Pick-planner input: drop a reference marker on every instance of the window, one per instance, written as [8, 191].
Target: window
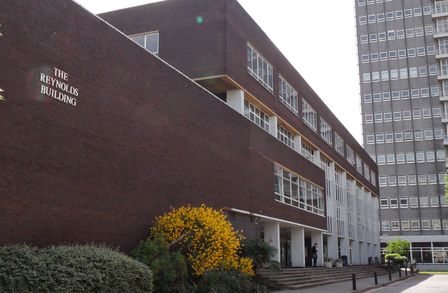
[285, 136]
[434, 91]
[422, 71]
[382, 181]
[385, 226]
[375, 76]
[380, 137]
[434, 201]
[421, 179]
[412, 180]
[288, 96]
[307, 152]
[389, 137]
[372, 38]
[405, 94]
[411, 52]
[428, 134]
[407, 13]
[415, 224]
[420, 156]
[421, 51]
[413, 202]
[394, 75]
[393, 203]
[399, 34]
[381, 160]
[430, 157]
[403, 73]
[440, 154]
[362, 20]
[378, 117]
[387, 116]
[416, 114]
[260, 69]
[392, 180]
[415, 93]
[410, 158]
[370, 138]
[407, 115]
[419, 31]
[431, 50]
[413, 72]
[380, 17]
[432, 69]
[408, 135]
[396, 94]
[386, 96]
[292, 190]
[401, 180]
[390, 159]
[350, 155]
[365, 58]
[432, 179]
[326, 132]
[417, 11]
[400, 158]
[372, 18]
[389, 15]
[427, 10]
[424, 92]
[398, 14]
[409, 33]
[397, 116]
[426, 225]
[403, 202]
[338, 144]
[436, 224]
[377, 97]
[395, 224]
[429, 30]
[255, 115]
[149, 41]
[405, 225]
[309, 115]
[392, 54]
[426, 113]
[367, 98]
[391, 35]
[384, 203]
[364, 39]
[361, 2]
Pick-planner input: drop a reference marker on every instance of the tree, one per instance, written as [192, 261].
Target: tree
[205, 237]
[397, 246]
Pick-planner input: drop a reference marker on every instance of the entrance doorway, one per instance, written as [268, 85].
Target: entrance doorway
[285, 248]
[308, 254]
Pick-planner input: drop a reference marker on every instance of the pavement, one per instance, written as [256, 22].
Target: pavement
[418, 284]
[362, 285]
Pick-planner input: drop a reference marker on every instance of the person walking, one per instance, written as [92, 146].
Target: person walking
[314, 254]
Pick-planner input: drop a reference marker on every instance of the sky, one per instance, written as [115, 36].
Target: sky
[317, 37]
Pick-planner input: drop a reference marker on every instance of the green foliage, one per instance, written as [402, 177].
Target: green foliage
[71, 269]
[396, 258]
[169, 268]
[224, 281]
[259, 251]
[397, 246]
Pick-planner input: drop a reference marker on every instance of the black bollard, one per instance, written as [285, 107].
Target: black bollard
[399, 272]
[376, 278]
[354, 281]
[390, 275]
[412, 270]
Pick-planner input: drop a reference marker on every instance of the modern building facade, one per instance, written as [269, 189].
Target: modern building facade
[229, 55]
[401, 46]
[100, 136]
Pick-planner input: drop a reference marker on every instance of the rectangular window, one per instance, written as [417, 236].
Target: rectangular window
[380, 17]
[415, 224]
[429, 30]
[434, 201]
[397, 116]
[417, 11]
[398, 14]
[309, 115]
[389, 137]
[288, 96]
[370, 138]
[285, 136]
[400, 158]
[292, 190]
[430, 157]
[386, 96]
[436, 224]
[307, 152]
[365, 58]
[390, 159]
[412, 180]
[419, 31]
[408, 136]
[391, 35]
[399, 34]
[382, 181]
[362, 20]
[416, 114]
[426, 224]
[395, 224]
[385, 226]
[392, 54]
[411, 52]
[420, 156]
[372, 18]
[326, 132]
[350, 155]
[389, 15]
[384, 203]
[339, 144]
[387, 116]
[372, 38]
[392, 181]
[254, 114]
[413, 72]
[421, 179]
[367, 98]
[403, 73]
[428, 134]
[364, 39]
[260, 69]
[427, 10]
[409, 33]
[405, 225]
[408, 13]
[378, 117]
[380, 137]
[402, 180]
[381, 160]
[407, 115]
[377, 97]
[149, 41]
[415, 93]
[413, 202]
[403, 202]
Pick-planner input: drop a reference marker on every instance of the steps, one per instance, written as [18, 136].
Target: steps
[299, 278]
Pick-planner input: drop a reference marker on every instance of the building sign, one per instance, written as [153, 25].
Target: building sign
[56, 85]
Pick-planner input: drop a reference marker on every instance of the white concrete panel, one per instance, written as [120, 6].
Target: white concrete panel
[298, 247]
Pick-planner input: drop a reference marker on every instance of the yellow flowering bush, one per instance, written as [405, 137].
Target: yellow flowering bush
[205, 237]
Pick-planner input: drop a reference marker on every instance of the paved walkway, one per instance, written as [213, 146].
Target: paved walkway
[346, 286]
[419, 284]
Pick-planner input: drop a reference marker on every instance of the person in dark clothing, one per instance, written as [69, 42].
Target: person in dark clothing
[314, 254]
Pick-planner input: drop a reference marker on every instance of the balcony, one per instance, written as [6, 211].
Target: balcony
[442, 75]
[443, 98]
[440, 9]
[445, 140]
[444, 117]
[440, 54]
[441, 33]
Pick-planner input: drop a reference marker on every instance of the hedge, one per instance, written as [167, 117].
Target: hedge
[71, 269]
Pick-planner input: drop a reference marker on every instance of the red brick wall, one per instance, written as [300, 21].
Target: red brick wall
[141, 139]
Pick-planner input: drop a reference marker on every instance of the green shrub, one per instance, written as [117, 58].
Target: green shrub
[397, 246]
[169, 268]
[71, 269]
[259, 251]
[224, 281]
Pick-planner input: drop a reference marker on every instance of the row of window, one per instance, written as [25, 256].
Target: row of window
[371, 2]
[414, 225]
[409, 158]
[401, 73]
[413, 202]
[406, 94]
[408, 136]
[398, 54]
[394, 15]
[259, 68]
[415, 114]
[411, 180]
[391, 35]
[295, 191]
